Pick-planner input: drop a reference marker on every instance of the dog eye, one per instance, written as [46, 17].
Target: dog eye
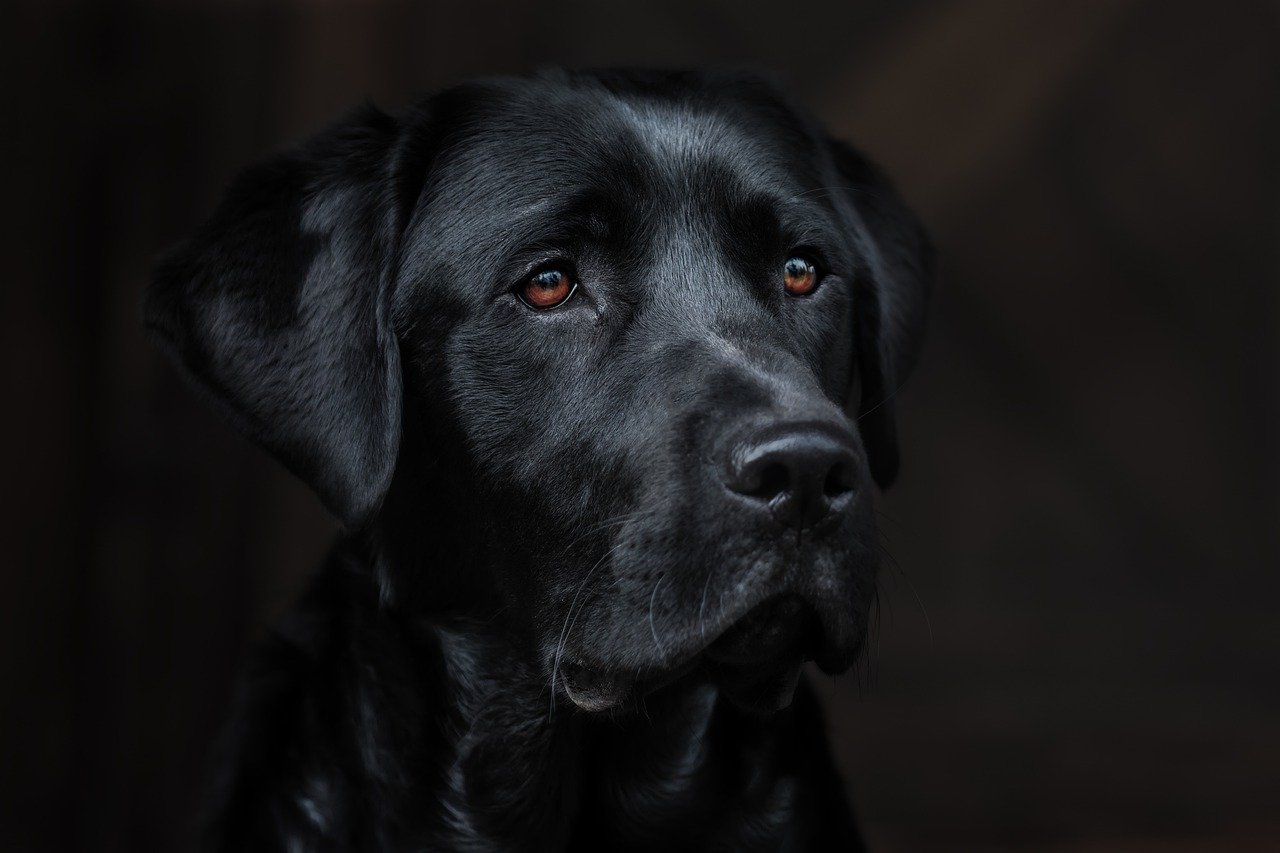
[799, 276]
[547, 289]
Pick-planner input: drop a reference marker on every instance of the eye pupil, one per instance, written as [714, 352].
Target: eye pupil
[547, 289]
[799, 276]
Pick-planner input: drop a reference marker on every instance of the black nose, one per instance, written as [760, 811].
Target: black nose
[801, 474]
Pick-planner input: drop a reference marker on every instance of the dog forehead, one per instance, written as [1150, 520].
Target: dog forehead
[527, 149]
[685, 139]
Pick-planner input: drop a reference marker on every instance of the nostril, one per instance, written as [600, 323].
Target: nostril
[774, 478]
[839, 480]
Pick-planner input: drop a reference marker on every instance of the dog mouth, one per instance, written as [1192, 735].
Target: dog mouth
[780, 627]
[756, 662]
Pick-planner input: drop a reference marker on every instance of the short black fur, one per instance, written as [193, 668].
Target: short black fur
[587, 549]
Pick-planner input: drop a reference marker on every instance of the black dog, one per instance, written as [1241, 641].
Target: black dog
[597, 370]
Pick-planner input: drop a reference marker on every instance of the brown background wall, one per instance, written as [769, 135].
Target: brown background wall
[1091, 495]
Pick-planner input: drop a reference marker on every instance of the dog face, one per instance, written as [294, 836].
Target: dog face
[639, 331]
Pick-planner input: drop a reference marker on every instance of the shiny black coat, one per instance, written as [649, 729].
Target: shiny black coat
[589, 546]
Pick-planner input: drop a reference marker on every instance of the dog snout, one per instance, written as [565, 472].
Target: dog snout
[800, 473]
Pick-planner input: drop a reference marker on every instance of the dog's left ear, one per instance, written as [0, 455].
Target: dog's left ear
[279, 309]
[889, 306]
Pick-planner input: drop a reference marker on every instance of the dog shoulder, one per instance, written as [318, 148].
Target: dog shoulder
[314, 734]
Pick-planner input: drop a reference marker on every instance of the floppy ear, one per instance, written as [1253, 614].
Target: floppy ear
[279, 309]
[890, 301]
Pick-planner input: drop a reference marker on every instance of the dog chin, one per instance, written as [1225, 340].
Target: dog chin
[756, 663]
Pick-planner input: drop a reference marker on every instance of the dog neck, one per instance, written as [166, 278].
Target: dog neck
[446, 730]
[521, 767]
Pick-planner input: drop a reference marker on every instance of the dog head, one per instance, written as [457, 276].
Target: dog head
[627, 342]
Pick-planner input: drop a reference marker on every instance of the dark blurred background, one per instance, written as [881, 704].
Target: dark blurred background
[1080, 649]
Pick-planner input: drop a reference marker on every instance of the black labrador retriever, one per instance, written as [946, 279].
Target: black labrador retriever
[597, 370]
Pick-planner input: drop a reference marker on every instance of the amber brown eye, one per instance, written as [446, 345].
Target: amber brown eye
[799, 276]
[547, 289]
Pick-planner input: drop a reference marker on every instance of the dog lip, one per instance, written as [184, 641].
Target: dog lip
[595, 690]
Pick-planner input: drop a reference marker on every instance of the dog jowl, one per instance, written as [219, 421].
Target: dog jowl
[597, 371]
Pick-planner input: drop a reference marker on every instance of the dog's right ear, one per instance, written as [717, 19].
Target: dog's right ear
[889, 304]
[279, 308]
